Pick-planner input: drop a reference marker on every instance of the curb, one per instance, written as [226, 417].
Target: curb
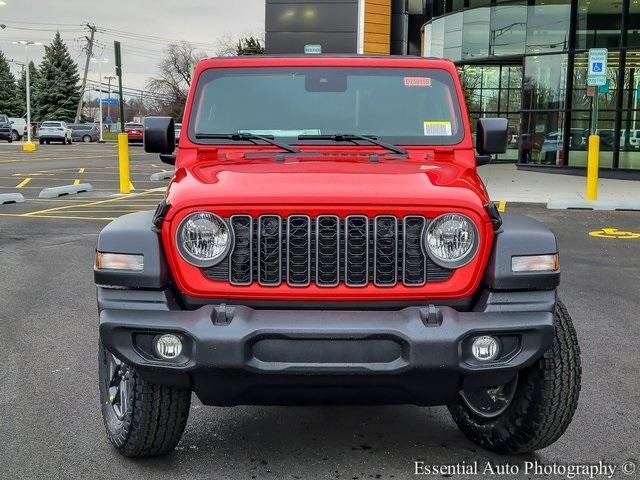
[164, 175]
[579, 204]
[6, 198]
[55, 192]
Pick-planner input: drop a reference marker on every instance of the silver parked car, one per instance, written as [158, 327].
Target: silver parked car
[85, 132]
[54, 132]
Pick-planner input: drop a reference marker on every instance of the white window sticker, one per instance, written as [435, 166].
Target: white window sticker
[437, 129]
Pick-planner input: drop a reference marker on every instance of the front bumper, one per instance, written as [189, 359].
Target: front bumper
[239, 355]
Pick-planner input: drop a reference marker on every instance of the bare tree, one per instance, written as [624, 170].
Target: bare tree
[172, 85]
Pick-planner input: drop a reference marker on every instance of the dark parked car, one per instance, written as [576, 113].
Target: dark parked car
[85, 132]
[5, 129]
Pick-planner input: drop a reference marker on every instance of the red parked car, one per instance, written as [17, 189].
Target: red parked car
[135, 132]
[326, 239]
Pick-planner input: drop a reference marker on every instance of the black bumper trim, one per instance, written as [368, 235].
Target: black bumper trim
[280, 356]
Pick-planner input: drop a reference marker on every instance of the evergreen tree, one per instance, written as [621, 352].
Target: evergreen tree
[57, 85]
[9, 100]
[22, 88]
[249, 46]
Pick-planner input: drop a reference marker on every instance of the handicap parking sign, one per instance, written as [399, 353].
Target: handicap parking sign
[597, 67]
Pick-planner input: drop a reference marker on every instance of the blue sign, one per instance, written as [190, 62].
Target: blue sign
[108, 120]
[109, 101]
[597, 67]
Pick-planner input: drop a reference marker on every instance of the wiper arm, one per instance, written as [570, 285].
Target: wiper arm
[352, 137]
[247, 136]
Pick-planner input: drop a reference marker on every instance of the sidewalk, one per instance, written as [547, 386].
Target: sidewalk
[506, 182]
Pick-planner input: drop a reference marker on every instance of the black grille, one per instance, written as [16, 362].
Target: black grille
[327, 250]
[356, 255]
[385, 260]
[269, 249]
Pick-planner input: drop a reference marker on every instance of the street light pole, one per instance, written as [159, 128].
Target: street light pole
[109, 78]
[29, 146]
[100, 62]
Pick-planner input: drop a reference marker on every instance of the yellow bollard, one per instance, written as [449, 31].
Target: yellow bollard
[593, 157]
[123, 162]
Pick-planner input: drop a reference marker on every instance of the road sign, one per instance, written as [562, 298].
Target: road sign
[596, 80]
[604, 88]
[312, 49]
[109, 101]
[597, 70]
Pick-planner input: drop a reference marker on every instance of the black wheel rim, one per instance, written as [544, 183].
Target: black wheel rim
[490, 402]
[117, 383]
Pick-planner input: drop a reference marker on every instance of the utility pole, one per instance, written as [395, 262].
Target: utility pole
[109, 78]
[89, 49]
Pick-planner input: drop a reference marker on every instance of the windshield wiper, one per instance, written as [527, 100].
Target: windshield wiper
[249, 137]
[352, 137]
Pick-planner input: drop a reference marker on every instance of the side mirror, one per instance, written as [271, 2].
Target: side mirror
[491, 138]
[159, 135]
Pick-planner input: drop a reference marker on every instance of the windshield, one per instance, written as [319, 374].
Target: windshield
[400, 106]
[51, 124]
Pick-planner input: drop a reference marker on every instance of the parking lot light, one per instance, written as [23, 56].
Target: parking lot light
[100, 61]
[29, 146]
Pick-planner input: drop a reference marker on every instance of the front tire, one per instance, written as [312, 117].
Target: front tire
[542, 406]
[142, 419]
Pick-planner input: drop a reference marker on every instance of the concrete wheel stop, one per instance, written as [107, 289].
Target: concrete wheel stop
[582, 204]
[55, 192]
[6, 198]
[164, 175]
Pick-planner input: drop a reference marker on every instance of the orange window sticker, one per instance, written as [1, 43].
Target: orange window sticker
[417, 82]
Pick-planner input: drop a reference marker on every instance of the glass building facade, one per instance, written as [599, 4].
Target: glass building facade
[527, 61]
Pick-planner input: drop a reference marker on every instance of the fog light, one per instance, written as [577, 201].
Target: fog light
[168, 346]
[485, 348]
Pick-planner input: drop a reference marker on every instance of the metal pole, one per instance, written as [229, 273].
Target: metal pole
[100, 99]
[92, 29]
[28, 80]
[593, 155]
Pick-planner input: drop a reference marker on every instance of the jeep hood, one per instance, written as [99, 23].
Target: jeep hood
[387, 182]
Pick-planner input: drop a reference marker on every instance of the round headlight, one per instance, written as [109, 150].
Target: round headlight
[451, 240]
[204, 239]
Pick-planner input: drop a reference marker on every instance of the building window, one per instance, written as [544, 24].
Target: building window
[548, 26]
[545, 81]
[508, 30]
[453, 36]
[598, 24]
[475, 36]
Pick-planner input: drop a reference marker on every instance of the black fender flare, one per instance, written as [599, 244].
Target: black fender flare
[520, 235]
[134, 233]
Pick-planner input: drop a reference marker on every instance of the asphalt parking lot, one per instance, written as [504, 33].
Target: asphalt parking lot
[50, 424]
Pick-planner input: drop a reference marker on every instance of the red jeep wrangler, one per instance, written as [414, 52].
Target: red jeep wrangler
[326, 239]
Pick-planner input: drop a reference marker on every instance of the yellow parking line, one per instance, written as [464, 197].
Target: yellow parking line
[81, 170]
[89, 204]
[76, 181]
[502, 206]
[131, 187]
[23, 183]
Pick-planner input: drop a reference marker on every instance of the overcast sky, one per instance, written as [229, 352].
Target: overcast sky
[147, 26]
